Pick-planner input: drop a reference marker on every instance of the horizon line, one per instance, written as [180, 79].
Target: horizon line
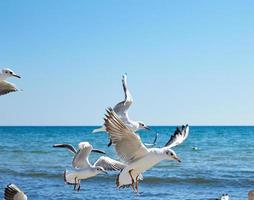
[228, 125]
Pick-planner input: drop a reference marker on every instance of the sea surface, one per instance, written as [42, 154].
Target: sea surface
[223, 162]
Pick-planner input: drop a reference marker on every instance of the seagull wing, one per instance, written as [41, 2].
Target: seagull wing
[109, 164]
[150, 145]
[128, 145]
[68, 146]
[6, 87]
[178, 137]
[12, 192]
[121, 109]
[80, 160]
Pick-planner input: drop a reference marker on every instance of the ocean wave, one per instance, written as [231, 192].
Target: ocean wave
[39, 174]
[147, 179]
[20, 151]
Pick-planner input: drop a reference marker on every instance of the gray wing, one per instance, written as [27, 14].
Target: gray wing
[121, 109]
[150, 145]
[109, 164]
[80, 160]
[178, 137]
[128, 145]
[12, 192]
[67, 146]
[6, 87]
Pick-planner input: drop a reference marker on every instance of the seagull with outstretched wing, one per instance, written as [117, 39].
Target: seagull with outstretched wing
[129, 147]
[122, 108]
[82, 168]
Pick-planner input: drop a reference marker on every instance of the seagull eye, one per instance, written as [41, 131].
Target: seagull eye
[171, 154]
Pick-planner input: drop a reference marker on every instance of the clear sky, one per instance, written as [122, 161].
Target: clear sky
[187, 61]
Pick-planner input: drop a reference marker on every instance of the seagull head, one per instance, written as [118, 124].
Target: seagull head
[224, 197]
[171, 155]
[142, 126]
[100, 170]
[9, 73]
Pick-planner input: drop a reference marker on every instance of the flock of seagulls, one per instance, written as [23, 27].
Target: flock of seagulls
[135, 157]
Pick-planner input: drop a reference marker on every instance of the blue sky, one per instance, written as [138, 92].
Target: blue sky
[187, 61]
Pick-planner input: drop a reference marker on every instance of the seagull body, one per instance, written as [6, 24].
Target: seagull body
[137, 167]
[224, 197]
[82, 168]
[122, 108]
[12, 192]
[6, 87]
[137, 157]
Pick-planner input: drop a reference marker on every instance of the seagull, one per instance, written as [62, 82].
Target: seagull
[121, 109]
[12, 192]
[6, 87]
[133, 152]
[224, 197]
[82, 168]
[150, 145]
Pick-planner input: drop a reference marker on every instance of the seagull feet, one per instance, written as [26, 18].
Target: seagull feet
[136, 184]
[76, 185]
[132, 180]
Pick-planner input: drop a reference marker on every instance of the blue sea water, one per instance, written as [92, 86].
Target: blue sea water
[224, 163]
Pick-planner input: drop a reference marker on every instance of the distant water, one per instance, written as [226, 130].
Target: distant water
[224, 163]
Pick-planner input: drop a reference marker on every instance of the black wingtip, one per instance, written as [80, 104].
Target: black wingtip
[110, 143]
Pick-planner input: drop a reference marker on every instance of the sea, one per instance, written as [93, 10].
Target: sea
[215, 160]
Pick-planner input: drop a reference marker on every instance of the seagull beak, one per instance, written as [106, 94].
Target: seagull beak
[147, 128]
[17, 76]
[98, 151]
[177, 159]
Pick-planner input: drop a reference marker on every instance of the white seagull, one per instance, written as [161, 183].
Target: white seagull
[224, 197]
[6, 87]
[83, 169]
[136, 156]
[121, 109]
[12, 192]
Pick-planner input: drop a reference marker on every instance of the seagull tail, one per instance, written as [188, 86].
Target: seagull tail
[69, 177]
[101, 129]
[123, 179]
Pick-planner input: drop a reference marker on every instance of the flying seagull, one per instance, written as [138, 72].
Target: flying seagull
[136, 156]
[6, 87]
[12, 192]
[150, 145]
[122, 108]
[82, 168]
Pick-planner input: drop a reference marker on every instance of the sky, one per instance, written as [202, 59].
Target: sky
[187, 61]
